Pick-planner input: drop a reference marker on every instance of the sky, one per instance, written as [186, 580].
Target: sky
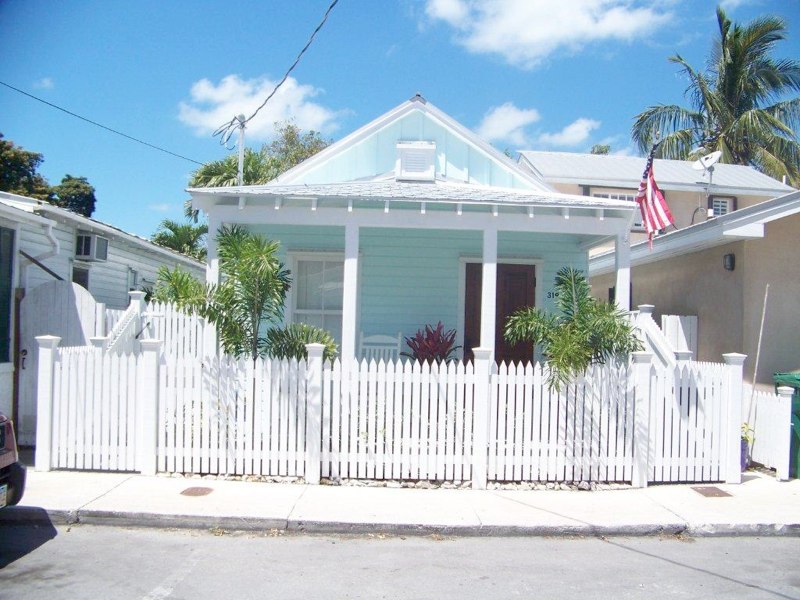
[524, 74]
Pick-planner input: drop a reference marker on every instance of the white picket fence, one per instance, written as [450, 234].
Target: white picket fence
[232, 416]
[771, 421]
[399, 420]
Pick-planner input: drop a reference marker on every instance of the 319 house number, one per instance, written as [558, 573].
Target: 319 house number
[551, 295]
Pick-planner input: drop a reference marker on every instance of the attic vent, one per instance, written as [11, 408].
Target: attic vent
[415, 161]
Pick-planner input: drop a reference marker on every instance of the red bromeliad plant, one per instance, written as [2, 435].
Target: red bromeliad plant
[432, 345]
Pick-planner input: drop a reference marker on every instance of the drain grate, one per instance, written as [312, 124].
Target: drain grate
[710, 491]
[196, 491]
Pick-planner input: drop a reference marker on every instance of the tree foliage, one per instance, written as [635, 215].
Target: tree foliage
[185, 238]
[19, 172]
[601, 149]
[19, 175]
[75, 194]
[585, 332]
[289, 148]
[247, 305]
[739, 104]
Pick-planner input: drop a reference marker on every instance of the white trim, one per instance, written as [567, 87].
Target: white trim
[578, 224]
[538, 298]
[295, 256]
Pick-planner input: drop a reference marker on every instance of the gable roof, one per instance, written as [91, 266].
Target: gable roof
[519, 176]
[626, 172]
[51, 214]
[745, 223]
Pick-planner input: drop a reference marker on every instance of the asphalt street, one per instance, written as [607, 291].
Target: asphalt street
[83, 561]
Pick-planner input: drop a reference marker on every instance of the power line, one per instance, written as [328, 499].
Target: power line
[125, 135]
[227, 129]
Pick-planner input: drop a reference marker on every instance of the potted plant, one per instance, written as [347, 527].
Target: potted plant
[747, 440]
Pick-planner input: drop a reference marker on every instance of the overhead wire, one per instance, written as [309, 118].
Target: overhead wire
[112, 130]
[227, 129]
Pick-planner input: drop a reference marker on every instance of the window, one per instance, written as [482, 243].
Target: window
[628, 197]
[89, 246]
[80, 275]
[318, 290]
[6, 291]
[721, 205]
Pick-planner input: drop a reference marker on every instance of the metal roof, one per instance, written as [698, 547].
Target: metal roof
[56, 213]
[626, 172]
[438, 191]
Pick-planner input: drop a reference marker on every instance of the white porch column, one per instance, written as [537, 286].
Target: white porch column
[212, 277]
[622, 264]
[489, 289]
[212, 258]
[350, 284]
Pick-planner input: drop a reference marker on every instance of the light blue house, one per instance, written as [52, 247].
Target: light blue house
[413, 219]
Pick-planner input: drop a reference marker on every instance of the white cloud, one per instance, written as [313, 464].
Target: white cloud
[454, 12]
[733, 4]
[507, 123]
[161, 208]
[525, 32]
[45, 83]
[211, 105]
[573, 134]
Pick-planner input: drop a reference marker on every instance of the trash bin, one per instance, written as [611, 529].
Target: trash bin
[792, 379]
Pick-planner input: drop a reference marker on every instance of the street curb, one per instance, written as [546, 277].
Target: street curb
[30, 515]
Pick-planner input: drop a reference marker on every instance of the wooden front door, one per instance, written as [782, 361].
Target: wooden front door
[516, 286]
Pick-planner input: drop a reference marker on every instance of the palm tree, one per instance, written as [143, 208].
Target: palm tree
[738, 105]
[182, 237]
[586, 332]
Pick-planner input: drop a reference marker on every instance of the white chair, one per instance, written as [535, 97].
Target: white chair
[379, 347]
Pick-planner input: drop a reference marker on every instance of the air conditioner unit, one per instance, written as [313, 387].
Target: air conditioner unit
[416, 161]
[90, 246]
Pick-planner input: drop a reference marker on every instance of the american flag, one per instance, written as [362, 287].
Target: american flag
[655, 211]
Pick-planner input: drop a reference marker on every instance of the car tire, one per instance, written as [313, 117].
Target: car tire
[16, 481]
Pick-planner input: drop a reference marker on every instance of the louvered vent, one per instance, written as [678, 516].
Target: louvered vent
[416, 161]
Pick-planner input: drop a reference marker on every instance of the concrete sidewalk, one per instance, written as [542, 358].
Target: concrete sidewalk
[759, 506]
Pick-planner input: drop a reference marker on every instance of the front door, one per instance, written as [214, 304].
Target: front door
[516, 286]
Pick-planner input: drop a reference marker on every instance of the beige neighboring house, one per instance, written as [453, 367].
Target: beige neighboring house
[617, 177]
[715, 267]
[41, 244]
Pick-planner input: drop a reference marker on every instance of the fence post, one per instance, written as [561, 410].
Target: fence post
[48, 346]
[785, 435]
[641, 419]
[480, 432]
[683, 356]
[314, 412]
[147, 402]
[100, 342]
[732, 387]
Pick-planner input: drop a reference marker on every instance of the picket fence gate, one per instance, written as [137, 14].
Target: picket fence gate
[477, 422]
[771, 423]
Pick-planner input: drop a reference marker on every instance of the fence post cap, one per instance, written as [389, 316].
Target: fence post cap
[642, 357]
[734, 358]
[315, 350]
[785, 390]
[683, 354]
[48, 341]
[150, 344]
[137, 295]
[482, 353]
[99, 341]
[646, 308]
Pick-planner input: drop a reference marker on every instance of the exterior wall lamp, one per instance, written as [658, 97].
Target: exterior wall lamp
[729, 262]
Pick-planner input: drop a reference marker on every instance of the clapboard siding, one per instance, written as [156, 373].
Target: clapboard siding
[108, 281]
[409, 278]
[376, 154]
